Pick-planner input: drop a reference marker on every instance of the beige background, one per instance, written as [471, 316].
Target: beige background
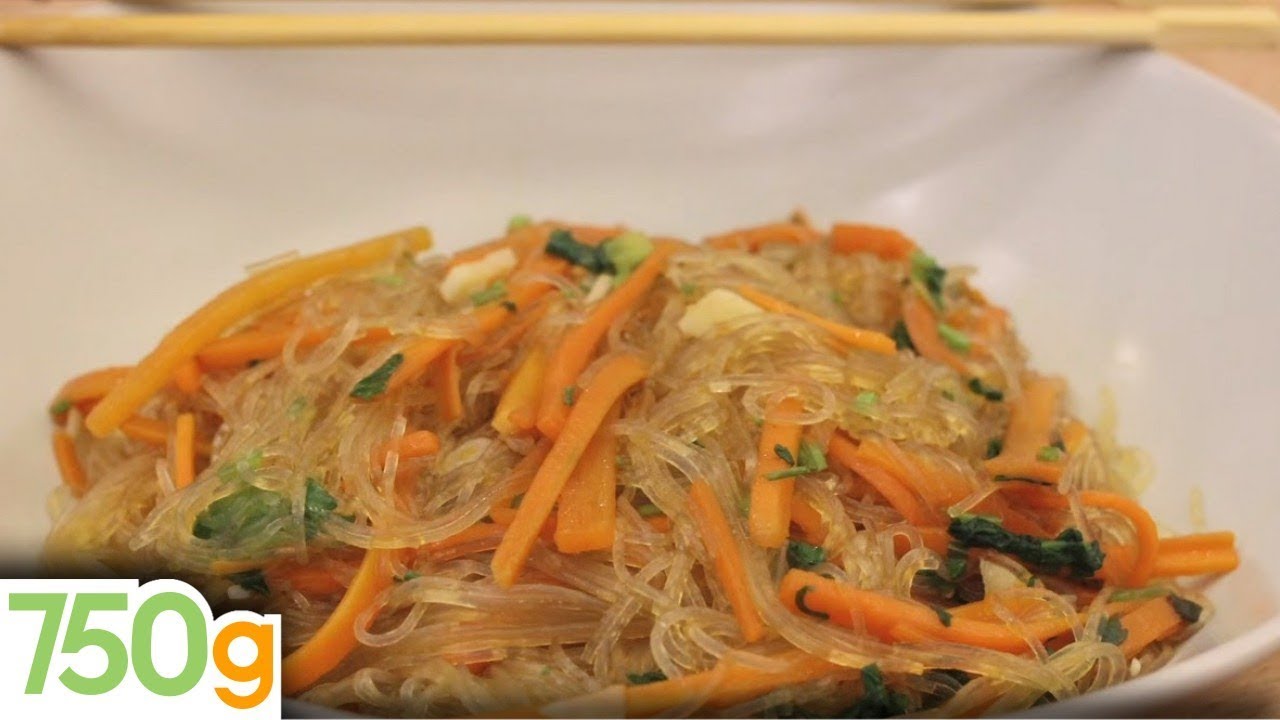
[1254, 694]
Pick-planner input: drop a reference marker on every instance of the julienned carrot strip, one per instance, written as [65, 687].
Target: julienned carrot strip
[1031, 420]
[92, 385]
[1222, 539]
[69, 467]
[481, 537]
[579, 345]
[336, 638]
[614, 379]
[1150, 622]
[311, 579]
[1074, 435]
[187, 377]
[416, 444]
[1177, 562]
[659, 523]
[231, 306]
[182, 463]
[753, 238]
[730, 570]
[419, 355]
[236, 351]
[448, 385]
[893, 619]
[853, 336]
[922, 326]
[769, 519]
[849, 238]
[587, 514]
[843, 451]
[519, 401]
[1021, 606]
[1147, 534]
[809, 520]
[725, 685]
[156, 432]
[503, 510]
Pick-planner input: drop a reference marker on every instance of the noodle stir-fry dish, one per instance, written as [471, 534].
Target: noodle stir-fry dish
[783, 472]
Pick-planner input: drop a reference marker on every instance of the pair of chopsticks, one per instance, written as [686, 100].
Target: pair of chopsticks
[1134, 23]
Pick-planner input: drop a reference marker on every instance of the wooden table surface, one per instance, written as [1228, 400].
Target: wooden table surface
[1253, 694]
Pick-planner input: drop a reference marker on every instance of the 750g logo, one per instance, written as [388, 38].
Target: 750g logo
[76, 645]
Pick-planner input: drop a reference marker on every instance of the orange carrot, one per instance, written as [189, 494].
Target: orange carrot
[1074, 435]
[481, 537]
[1223, 539]
[753, 238]
[614, 379]
[312, 579]
[1171, 562]
[894, 620]
[187, 377]
[417, 358]
[231, 306]
[1147, 534]
[156, 432]
[1150, 622]
[587, 515]
[336, 638]
[182, 464]
[503, 510]
[1031, 420]
[69, 467]
[659, 523]
[922, 326]
[91, 386]
[843, 451]
[809, 520]
[519, 399]
[769, 519]
[579, 345]
[854, 337]
[448, 386]
[727, 684]
[237, 351]
[730, 570]
[889, 244]
[416, 444]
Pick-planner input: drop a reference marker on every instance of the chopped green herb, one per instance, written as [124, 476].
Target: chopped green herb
[877, 700]
[252, 580]
[805, 608]
[649, 510]
[1111, 631]
[791, 472]
[569, 395]
[985, 391]
[297, 407]
[496, 291]
[411, 575]
[625, 253]
[688, 289]
[1049, 453]
[995, 446]
[1068, 551]
[515, 501]
[955, 339]
[811, 456]
[1032, 580]
[805, 556]
[1186, 609]
[784, 454]
[902, 338]
[929, 277]
[948, 395]
[391, 281]
[562, 244]
[508, 306]
[247, 513]
[518, 222]
[866, 400]
[957, 561]
[943, 616]
[837, 298]
[319, 504]
[744, 505]
[375, 383]
[645, 678]
[60, 406]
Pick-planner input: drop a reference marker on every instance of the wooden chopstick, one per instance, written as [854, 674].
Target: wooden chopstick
[1236, 26]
